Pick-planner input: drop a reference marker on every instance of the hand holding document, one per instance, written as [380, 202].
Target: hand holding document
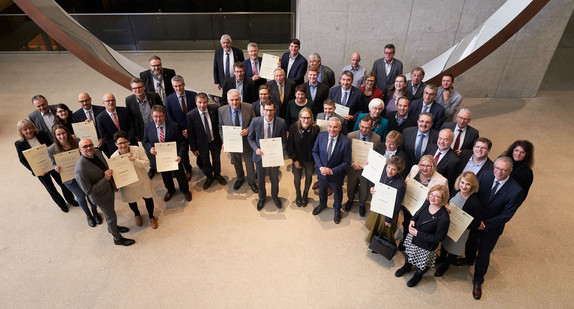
[360, 151]
[268, 65]
[415, 196]
[322, 123]
[232, 139]
[124, 172]
[86, 129]
[341, 110]
[166, 156]
[272, 149]
[459, 222]
[67, 162]
[38, 159]
[383, 201]
[374, 170]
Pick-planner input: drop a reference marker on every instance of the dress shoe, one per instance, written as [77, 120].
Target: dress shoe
[403, 270]
[315, 185]
[91, 221]
[64, 208]
[441, 270]
[298, 201]
[153, 223]
[167, 196]
[238, 184]
[221, 180]
[304, 201]
[477, 291]
[416, 278]
[401, 246]
[330, 191]
[348, 205]
[151, 173]
[207, 183]
[123, 229]
[188, 176]
[362, 210]
[74, 203]
[317, 210]
[138, 220]
[463, 261]
[277, 202]
[124, 242]
[98, 218]
[337, 217]
[254, 188]
[188, 196]
[260, 204]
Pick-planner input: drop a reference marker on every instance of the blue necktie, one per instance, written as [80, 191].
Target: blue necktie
[344, 102]
[493, 191]
[419, 148]
[330, 148]
[227, 65]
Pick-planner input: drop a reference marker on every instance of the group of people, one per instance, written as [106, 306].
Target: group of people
[419, 129]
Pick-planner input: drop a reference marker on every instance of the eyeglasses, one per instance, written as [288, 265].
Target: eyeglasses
[84, 101]
[305, 118]
[137, 88]
[500, 169]
[88, 146]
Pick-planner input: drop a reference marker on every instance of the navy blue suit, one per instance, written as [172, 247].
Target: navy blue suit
[219, 66]
[340, 159]
[298, 69]
[409, 144]
[436, 110]
[175, 113]
[198, 140]
[355, 102]
[107, 128]
[249, 72]
[80, 115]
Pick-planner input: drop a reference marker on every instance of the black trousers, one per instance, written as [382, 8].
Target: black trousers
[181, 180]
[46, 180]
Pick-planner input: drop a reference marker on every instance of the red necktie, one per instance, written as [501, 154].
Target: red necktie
[116, 121]
[183, 107]
[437, 157]
[254, 68]
[161, 136]
[457, 141]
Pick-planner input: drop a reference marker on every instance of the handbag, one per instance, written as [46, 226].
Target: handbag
[383, 246]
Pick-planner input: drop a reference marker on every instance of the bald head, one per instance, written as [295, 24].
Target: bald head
[355, 59]
[445, 138]
[109, 102]
[86, 147]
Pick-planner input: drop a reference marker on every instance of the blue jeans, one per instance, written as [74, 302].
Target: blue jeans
[81, 197]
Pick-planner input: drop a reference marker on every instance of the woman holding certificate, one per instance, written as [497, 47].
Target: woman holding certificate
[30, 137]
[64, 116]
[63, 142]
[142, 188]
[522, 154]
[377, 223]
[302, 136]
[466, 198]
[427, 229]
[296, 105]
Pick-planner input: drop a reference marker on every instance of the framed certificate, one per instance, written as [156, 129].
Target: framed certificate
[166, 157]
[272, 149]
[123, 170]
[360, 151]
[232, 139]
[38, 159]
[67, 162]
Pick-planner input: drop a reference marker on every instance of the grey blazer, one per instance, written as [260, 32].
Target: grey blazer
[92, 181]
[247, 114]
[384, 81]
[36, 118]
[327, 76]
[373, 138]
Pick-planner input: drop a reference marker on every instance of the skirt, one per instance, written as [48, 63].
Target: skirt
[417, 256]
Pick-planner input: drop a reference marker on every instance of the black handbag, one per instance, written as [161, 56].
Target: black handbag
[383, 246]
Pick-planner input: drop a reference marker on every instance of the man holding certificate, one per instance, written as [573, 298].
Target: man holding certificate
[163, 131]
[267, 127]
[350, 97]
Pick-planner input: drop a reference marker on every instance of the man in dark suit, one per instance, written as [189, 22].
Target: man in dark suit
[88, 112]
[238, 81]
[224, 59]
[140, 104]
[239, 114]
[264, 96]
[464, 135]
[395, 68]
[329, 112]
[332, 155]
[282, 90]
[315, 91]
[399, 119]
[416, 140]
[253, 65]
[95, 178]
[500, 197]
[203, 137]
[416, 85]
[162, 131]
[427, 105]
[114, 119]
[475, 161]
[265, 127]
[158, 78]
[326, 75]
[177, 105]
[444, 157]
[349, 96]
[44, 116]
[293, 63]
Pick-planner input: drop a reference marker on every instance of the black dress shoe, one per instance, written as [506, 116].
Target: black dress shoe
[441, 270]
[337, 217]
[401, 246]
[298, 201]
[207, 183]
[187, 196]
[260, 204]
[238, 184]
[362, 210]
[416, 278]
[98, 218]
[124, 242]
[91, 221]
[74, 203]
[348, 205]
[463, 261]
[317, 210]
[477, 291]
[123, 229]
[254, 188]
[277, 202]
[221, 180]
[403, 270]
[64, 208]
[151, 173]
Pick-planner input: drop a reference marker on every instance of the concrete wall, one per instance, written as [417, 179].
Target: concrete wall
[422, 30]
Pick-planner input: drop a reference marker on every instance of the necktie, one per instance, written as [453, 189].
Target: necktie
[344, 102]
[493, 191]
[183, 107]
[457, 141]
[364, 138]
[281, 93]
[161, 136]
[419, 148]
[90, 115]
[116, 120]
[160, 91]
[330, 148]
[227, 64]
[437, 157]
[269, 135]
[255, 68]
[206, 126]
[236, 119]
[425, 108]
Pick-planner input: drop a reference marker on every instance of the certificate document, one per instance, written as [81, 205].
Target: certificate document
[67, 162]
[360, 151]
[383, 201]
[341, 110]
[232, 139]
[166, 156]
[86, 129]
[322, 123]
[38, 159]
[124, 172]
[459, 222]
[415, 196]
[374, 170]
[272, 152]
[268, 65]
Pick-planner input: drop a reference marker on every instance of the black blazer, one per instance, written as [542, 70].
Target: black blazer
[132, 105]
[298, 69]
[218, 65]
[80, 115]
[250, 94]
[320, 96]
[107, 128]
[473, 207]
[173, 133]
[196, 136]
[523, 175]
[447, 163]
[419, 93]
[394, 125]
[436, 110]
[295, 147]
[149, 82]
[471, 135]
[288, 94]
[431, 231]
[465, 155]
[409, 144]
[22, 145]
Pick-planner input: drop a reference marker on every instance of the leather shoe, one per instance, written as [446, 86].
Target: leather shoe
[91, 221]
[362, 210]
[337, 217]
[401, 246]
[298, 201]
[330, 191]
[304, 201]
[98, 218]
[441, 270]
[167, 196]
[138, 220]
[207, 183]
[188, 196]
[415, 279]
[124, 242]
[64, 208]
[221, 180]
[153, 223]
[260, 204]
[151, 173]
[348, 205]
[123, 229]
[74, 203]
[238, 184]
[463, 261]
[315, 185]
[254, 188]
[277, 202]
[317, 210]
[477, 291]
[403, 270]
[188, 176]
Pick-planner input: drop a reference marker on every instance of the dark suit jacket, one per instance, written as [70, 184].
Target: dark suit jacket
[22, 145]
[256, 132]
[384, 81]
[400, 153]
[420, 90]
[218, 65]
[107, 128]
[298, 69]
[473, 207]
[257, 107]
[447, 163]
[394, 125]
[249, 72]
[173, 133]
[320, 96]
[409, 144]
[173, 107]
[80, 115]
[327, 76]
[355, 102]
[196, 135]
[149, 82]
[436, 110]
[38, 120]
[465, 155]
[344, 129]
[503, 205]
[250, 94]
[469, 138]
[288, 94]
[339, 161]
[132, 105]
[225, 119]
